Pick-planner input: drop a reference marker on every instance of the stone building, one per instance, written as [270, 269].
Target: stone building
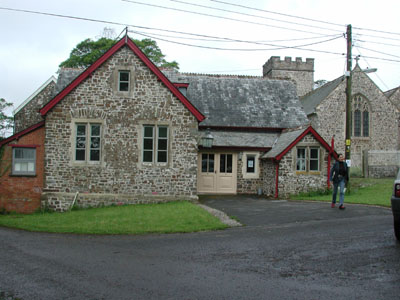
[302, 73]
[27, 114]
[123, 131]
[374, 120]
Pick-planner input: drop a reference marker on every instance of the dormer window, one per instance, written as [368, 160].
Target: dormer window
[123, 81]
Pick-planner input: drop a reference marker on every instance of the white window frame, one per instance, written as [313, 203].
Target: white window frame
[305, 162]
[244, 157]
[156, 144]
[318, 159]
[88, 145]
[127, 82]
[28, 162]
[301, 162]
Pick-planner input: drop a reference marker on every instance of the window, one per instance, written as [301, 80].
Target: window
[207, 163]
[314, 159]
[123, 81]
[225, 164]
[301, 159]
[360, 116]
[88, 142]
[357, 123]
[24, 161]
[308, 159]
[155, 144]
[251, 164]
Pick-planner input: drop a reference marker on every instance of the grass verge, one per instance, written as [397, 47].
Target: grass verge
[169, 217]
[369, 191]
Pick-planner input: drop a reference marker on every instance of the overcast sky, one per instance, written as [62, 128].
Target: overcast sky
[33, 45]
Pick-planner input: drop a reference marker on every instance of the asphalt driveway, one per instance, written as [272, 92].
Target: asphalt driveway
[259, 211]
[287, 250]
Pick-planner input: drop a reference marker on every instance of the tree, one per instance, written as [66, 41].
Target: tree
[88, 51]
[6, 122]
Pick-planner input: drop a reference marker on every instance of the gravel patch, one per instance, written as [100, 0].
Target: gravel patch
[224, 218]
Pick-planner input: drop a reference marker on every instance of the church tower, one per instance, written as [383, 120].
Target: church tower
[302, 73]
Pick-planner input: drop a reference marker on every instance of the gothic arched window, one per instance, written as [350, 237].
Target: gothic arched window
[361, 115]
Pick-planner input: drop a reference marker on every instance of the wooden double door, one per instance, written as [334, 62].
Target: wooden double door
[217, 173]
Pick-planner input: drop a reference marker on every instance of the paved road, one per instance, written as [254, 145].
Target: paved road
[287, 250]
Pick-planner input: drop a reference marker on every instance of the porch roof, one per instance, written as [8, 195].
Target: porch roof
[244, 139]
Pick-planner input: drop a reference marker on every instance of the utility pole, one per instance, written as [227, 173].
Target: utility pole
[348, 96]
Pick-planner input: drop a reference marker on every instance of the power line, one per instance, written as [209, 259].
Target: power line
[254, 16]
[302, 18]
[159, 29]
[219, 17]
[219, 40]
[135, 26]
[379, 52]
[379, 43]
[278, 47]
[277, 13]
[376, 74]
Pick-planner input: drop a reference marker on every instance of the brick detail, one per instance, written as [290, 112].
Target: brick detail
[22, 193]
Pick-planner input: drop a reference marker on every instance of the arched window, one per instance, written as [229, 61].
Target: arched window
[360, 116]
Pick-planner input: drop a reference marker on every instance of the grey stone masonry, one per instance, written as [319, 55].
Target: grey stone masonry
[29, 114]
[291, 181]
[302, 73]
[120, 176]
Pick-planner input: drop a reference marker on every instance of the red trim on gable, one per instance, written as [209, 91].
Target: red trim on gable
[178, 85]
[308, 130]
[22, 133]
[124, 41]
[23, 146]
[200, 117]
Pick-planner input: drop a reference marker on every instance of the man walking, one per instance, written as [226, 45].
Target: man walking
[340, 176]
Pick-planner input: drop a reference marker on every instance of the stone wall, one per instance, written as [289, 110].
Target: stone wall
[249, 184]
[379, 163]
[330, 119]
[22, 193]
[29, 114]
[302, 73]
[269, 177]
[120, 176]
[292, 182]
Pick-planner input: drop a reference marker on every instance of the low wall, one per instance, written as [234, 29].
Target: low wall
[381, 163]
[63, 201]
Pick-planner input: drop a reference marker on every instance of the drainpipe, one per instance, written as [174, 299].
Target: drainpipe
[329, 159]
[277, 179]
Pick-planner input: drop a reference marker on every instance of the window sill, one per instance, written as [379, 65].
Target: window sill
[308, 173]
[23, 175]
[86, 164]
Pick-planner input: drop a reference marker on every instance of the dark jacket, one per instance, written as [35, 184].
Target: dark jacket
[334, 174]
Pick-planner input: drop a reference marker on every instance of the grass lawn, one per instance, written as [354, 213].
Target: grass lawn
[362, 191]
[169, 217]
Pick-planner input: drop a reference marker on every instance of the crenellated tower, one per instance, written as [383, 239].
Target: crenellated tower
[302, 73]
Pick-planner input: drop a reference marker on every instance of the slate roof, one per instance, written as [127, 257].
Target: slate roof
[311, 100]
[244, 139]
[389, 93]
[284, 140]
[288, 139]
[240, 101]
[65, 77]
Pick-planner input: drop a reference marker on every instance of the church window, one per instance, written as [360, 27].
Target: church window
[361, 116]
